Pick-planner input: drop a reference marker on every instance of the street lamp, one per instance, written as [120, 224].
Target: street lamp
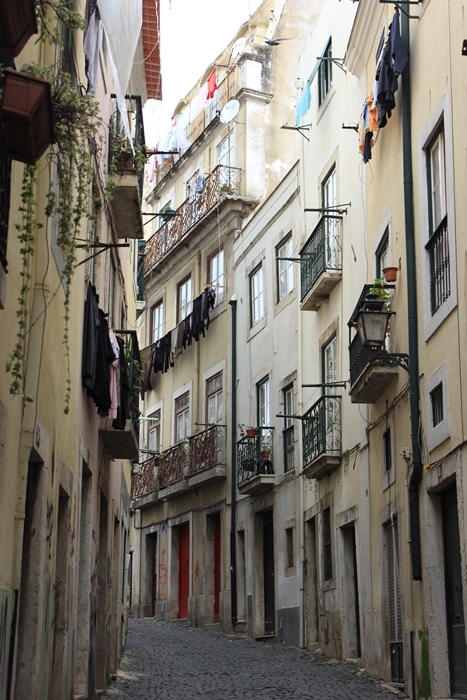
[372, 322]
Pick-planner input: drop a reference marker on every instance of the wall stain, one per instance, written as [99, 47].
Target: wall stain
[424, 682]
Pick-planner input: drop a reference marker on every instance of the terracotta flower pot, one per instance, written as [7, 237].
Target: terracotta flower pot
[390, 274]
[27, 116]
[250, 432]
[17, 24]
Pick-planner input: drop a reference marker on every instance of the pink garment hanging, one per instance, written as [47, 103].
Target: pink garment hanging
[114, 377]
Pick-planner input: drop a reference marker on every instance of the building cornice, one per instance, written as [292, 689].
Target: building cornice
[362, 36]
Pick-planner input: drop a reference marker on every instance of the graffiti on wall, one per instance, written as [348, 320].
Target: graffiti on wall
[162, 578]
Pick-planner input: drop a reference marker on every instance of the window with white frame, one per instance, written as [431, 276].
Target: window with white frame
[264, 416]
[436, 398]
[154, 432]
[288, 432]
[214, 399]
[182, 417]
[438, 242]
[382, 254]
[329, 199]
[225, 151]
[157, 321]
[190, 186]
[284, 253]
[216, 274]
[184, 297]
[325, 72]
[256, 295]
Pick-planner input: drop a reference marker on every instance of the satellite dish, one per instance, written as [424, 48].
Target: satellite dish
[238, 47]
[230, 111]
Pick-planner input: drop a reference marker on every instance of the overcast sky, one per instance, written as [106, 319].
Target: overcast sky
[193, 34]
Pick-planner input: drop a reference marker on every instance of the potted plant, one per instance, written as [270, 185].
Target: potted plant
[124, 158]
[18, 23]
[27, 113]
[381, 292]
[265, 450]
[390, 274]
[226, 188]
[246, 431]
[183, 449]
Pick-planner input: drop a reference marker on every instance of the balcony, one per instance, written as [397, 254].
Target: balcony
[321, 262]
[124, 444]
[128, 190]
[255, 465]
[322, 432]
[143, 486]
[371, 369]
[207, 457]
[221, 185]
[174, 470]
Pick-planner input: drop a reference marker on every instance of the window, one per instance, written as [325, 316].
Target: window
[288, 434]
[190, 186]
[327, 545]
[157, 321]
[284, 268]
[438, 243]
[263, 404]
[256, 295]
[182, 417]
[382, 254]
[329, 199]
[184, 299]
[387, 450]
[289, 553]
[225, 151]
[214, 399]
[437, 411]
[154, 432]
[325, 72]
[216, 274]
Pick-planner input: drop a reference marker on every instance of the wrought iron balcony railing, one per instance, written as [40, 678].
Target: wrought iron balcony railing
[322, 252]
[223, 180]
[322, 429]
[440, 272]
[197, 454]
[360, 356]
[255, 455]
[144, 482]
[207, 449]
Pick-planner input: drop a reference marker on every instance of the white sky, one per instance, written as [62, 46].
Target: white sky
[193, 34]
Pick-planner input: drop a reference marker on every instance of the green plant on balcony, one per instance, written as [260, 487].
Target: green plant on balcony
[247, 431]
[124, 157]
[226, 188]
[183, 450]
[382, 292]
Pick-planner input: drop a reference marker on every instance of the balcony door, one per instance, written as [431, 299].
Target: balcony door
[330, 403]
[329, 197]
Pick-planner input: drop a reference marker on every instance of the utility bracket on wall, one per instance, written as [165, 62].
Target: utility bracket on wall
[305, 127]
[399, 3]
[97, 244]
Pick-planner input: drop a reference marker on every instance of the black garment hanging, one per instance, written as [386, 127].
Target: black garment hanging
[100, 392]
[90, 338]
[122, 412]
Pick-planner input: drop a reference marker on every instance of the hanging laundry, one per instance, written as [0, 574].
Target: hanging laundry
[212, 83]
[123, 389]
[393, 61]
[114, 383]
[91, 50]
[303, 104]
[91, 324]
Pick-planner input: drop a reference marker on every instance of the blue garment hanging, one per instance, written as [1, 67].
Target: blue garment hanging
[303, 104]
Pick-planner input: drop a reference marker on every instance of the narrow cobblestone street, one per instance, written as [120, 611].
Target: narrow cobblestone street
[167, 662]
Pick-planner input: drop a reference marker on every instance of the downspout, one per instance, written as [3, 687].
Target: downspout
[233, 462]
[417, 468]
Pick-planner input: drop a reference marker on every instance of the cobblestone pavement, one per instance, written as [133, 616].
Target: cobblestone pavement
[166, 662]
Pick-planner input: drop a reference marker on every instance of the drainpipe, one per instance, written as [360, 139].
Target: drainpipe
[233, 461]
[417, 469]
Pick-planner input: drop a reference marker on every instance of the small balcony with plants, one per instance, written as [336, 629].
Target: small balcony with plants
[215, 191]
[322, 437]
[255, 462]
[144, 483]
[321, 262]
[174, 471]
[208, 462]
[127, 161]
[123, 442]
[372, 366]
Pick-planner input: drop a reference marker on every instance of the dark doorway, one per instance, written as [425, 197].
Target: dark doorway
[154, 574]
[268, 574]
[351, 600]
[454, 596]
[151, 574]
[217, 562]
[183, 570]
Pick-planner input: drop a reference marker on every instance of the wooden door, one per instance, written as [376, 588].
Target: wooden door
[268, 574]
[183, 570]
[454, 595]
[217, 561]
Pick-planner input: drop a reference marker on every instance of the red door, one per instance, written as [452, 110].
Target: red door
[217, 561]
[183, 570]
